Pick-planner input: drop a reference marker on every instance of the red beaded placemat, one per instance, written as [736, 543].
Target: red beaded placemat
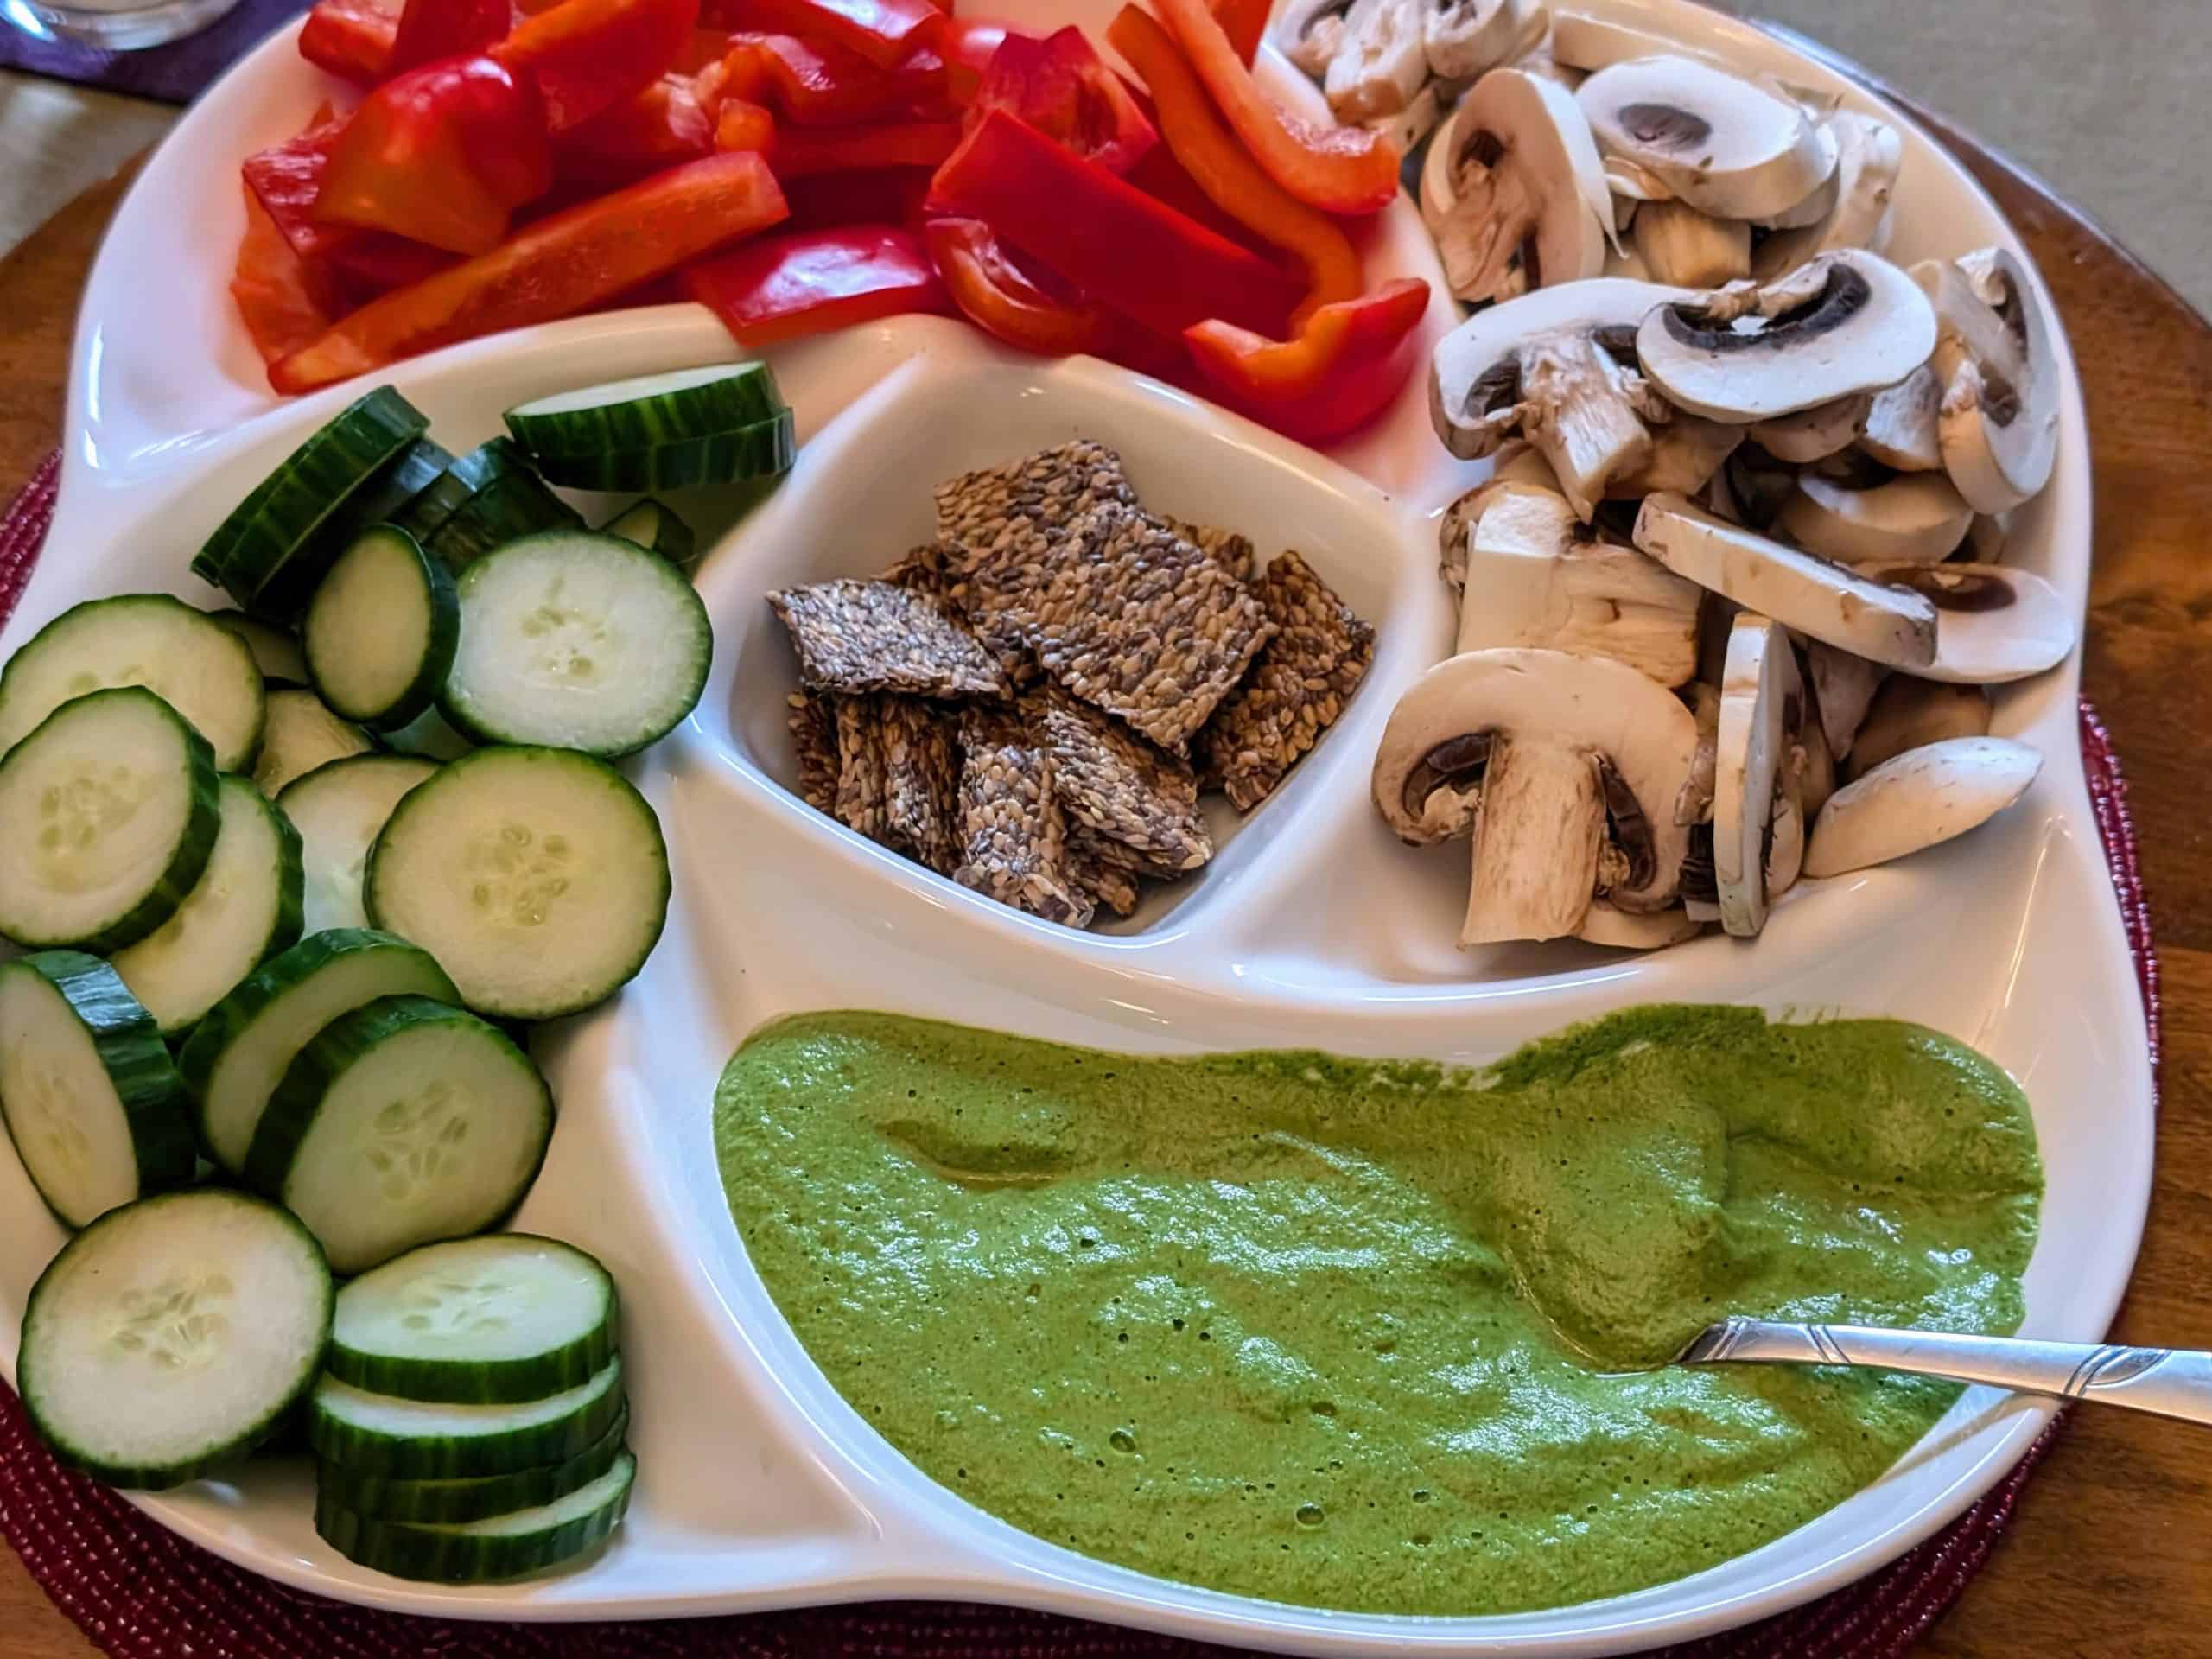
[139, 1591]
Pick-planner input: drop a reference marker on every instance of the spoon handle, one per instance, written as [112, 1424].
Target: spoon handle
[2170, 1382]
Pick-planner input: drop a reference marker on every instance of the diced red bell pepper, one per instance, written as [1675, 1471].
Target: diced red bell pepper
[743, 124]
[442, 154]
[552, 269]
[1105, 235]
[1245, 22]
[662, 126]
[1004, 300]
[281, 303]
[888, 195]
[812, 84]
[705, 46]
[431, 30]
[1345, 365]
[885, 32]
[1341, 170]
[367, 263]
[968, 44]
[287, 178]
[351, 39]
[589, 55]
[808, 282]
[1062, 87]
[800, 151]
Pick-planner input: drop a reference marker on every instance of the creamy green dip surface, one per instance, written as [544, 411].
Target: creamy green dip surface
[1364, 1334]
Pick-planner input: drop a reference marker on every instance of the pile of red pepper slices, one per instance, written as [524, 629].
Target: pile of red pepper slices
[803, 165]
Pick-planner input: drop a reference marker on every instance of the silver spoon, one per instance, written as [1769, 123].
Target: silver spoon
[2166, 1381]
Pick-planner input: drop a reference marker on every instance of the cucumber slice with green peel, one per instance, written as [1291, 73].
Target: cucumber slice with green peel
[489, 496]
[380, 631]
[430, 736]
[761, 450]
[653, 525]
[108, 816]
[647, 411]
[268, 553]
[538, 878]
[237, 1056]
[406, 1440]
[418, 468]
[449, 492]
[174, 1335]
[483, 1552]
[576, 641]
[337, 809]
[403, 1123]
[245, 909]
[302, 734]
[505, 1318]
[444, 1502]
[94, 1106]
[275, 652]
[186, 657]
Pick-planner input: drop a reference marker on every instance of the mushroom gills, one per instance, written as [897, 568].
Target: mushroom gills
[1729, 147]
[1998, 421]
[1994, 624]
[1813, 434]
[1379, 65]
[1919, 799]
[1869, 154]
[1905, 518]
[1750, 749]
[1517, 200]
[1900, 428]
[1310, 31]
[1910, 713]
[1680, 244]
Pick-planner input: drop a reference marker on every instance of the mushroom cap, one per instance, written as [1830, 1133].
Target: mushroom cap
[1749, 749]
[1912, 518]
[1846, 323]
[1592, 705]
[1908, 712]
[1900, 427]
[1993, 624]
[1309, 32]
[1465, 38]
[1919, 799]
[1869, 154]
[1882, 623]
[1997, 362]
[1604, 925]
[1379, 65]
[1727, 146]
[1543, 215]
[1589, 43]
[1813, 433]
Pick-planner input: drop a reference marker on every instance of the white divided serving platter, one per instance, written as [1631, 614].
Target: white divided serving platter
[759, 1486]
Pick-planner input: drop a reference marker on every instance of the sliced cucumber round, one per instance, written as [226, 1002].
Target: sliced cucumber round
[577, 640]
[654, 525]
[419, 467]
[648, 411]
[337, 809]
[302, 734]
[462, 478]
[761, 450]
[483, 1552]
[275, 652]
[235, 1058]
[491, 495]
[108, 817]
[406, 1440]
[500, 1318]
[442, 1502]
[381, 629]
[186, 657]
[172, 1335]
[94, 1107]
[430, 736]
[538, 878]
[244, 908]
[401, 1123]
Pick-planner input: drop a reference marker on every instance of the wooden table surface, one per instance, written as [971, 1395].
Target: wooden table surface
[2108, 1554]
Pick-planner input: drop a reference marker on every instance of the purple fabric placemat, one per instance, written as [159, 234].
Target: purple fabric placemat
[171, 75]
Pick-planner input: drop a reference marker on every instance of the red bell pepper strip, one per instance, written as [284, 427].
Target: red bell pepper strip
[1062, 87]
[589, 55]
[1002, 299]
[887, 195]
[1344, 366]
[369, 263]
[279, 299]
[742, 124]
[442, 154]
[552, 269]
[351, 39]
[967, 44]
[1339, 170]
[797, 152]
[705, 46]
[1245, 22]
[813, 84]
[1119, 245]
[809, 281]
[431, 30]
[287, 178]
[662, 126]
[885, 32]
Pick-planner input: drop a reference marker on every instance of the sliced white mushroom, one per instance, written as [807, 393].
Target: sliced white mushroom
[1687, 453]
[1751, 750]
[1811, 211]
[1994, 624]
[1694, 803]
[1907, 517]
[1584, 41]
[1411, 124]
[1785, 848]
[1379, 65]
[1884, 623]
[1538, 60]
[1843, 686]
[1518, 200]
[1726, 146]
[1900, 428]
[1846, 323]
[1985, 542]
[1691, 249]
[1621, 930]
[1309, 32]
[1813, 433]
[1757, 485]
[1996, 363]
[1474, 374]
[1630, 185]
[1466, 38]
[1534, 578]
[1869, 153]
[1516, 463]
[1919, 799]
[1428, 771]
[1910, 713]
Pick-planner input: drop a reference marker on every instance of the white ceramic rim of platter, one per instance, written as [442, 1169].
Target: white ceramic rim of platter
[2011, 939]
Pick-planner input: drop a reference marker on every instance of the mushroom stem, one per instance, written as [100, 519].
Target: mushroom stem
[1585, 414]
[1680, 244]
[1535, 845]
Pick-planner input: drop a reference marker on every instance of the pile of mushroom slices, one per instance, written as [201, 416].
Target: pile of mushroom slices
[1400, 66]
[1730, 599]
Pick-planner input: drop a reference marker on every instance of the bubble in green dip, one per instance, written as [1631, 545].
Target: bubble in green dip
[1365, 1334]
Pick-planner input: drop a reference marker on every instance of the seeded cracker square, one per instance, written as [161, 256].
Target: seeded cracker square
[1102, 868]
[877, 636]
[921, 778]
[1014, 839]
[1111, 780]
[921, 571]
[1295, 691]
[860, 797]
[1234, 553]
[814, 737]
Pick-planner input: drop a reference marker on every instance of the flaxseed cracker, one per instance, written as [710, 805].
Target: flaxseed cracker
[814, 737]
[921, 778]
[1107, 777]
[1233, 552]
[861, 783]
[857, 637]
[1014, 838]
